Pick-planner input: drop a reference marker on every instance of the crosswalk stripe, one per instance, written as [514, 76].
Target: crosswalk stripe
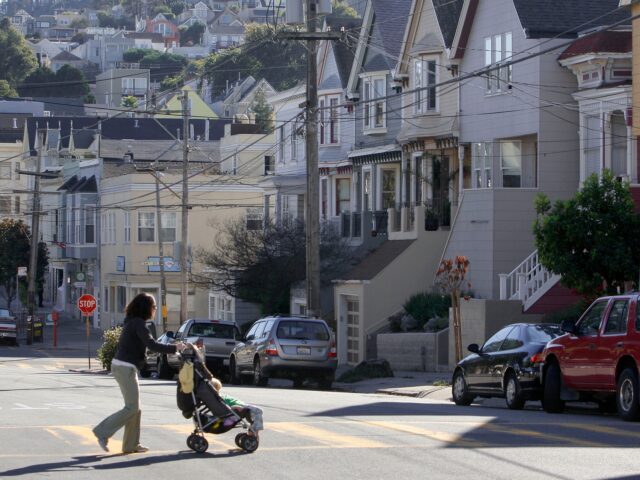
[188, 430]
[324, 436]
[86, 436]
[444, 437]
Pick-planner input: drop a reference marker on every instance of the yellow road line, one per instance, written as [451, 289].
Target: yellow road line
[444, 437]
[323, 436]
[86, 436]
[23, 366]
[510, 429]
[604, 429]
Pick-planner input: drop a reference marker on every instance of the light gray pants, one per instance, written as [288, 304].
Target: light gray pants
[129, 416]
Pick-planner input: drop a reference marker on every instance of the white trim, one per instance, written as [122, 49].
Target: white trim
[367, 20]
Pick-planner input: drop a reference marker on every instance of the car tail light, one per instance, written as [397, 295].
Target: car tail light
[536, 358]
[271, 349]
[333, 353]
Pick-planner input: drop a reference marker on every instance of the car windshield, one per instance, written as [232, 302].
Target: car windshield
[4, 312]
[543, 333]
[212, 330]
[302, 330]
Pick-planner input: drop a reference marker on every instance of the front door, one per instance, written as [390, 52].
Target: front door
[480, 377]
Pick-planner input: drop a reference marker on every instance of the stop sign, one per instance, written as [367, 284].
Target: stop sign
[87, 304]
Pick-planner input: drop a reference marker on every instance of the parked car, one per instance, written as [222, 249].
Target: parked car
[8, 329]
[505, 366]
[597, 360]
[294, 347]
[216, 337]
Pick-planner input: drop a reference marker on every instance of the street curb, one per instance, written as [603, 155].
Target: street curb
[94, 372]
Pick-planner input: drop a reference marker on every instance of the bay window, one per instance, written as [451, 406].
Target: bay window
[374, 91]
[343, 195]
[424, 76]
[146, 227]
[89, 224]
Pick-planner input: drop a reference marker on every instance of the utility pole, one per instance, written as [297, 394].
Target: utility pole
[35, 234]
[163, 281]
[312, 207]
[313, 188]
[184, 238]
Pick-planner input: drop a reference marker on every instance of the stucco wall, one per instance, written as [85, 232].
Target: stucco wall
[417, 352]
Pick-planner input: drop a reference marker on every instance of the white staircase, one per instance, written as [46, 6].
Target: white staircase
[528, 282]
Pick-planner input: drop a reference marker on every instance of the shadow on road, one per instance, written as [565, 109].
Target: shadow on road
[91, 462]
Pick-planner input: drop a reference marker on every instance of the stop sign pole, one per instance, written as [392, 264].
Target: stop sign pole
[87, 305]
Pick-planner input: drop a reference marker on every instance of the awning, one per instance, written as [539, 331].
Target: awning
[383, 154]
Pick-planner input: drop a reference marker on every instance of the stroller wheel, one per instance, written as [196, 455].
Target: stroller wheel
[249, 443]
[238, 439]
[197, 443]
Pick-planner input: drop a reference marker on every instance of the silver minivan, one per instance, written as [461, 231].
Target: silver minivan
[293, 347]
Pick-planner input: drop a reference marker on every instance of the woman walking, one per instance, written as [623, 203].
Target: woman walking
[129, 357]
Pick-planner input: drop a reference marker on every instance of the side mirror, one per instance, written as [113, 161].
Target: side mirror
[474, 348]
[170, 334]
[568, 326]
[248, 338]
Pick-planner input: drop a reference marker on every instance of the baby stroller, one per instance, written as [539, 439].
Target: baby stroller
[209, 412]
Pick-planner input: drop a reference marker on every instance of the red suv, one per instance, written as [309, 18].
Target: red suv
[597, 360]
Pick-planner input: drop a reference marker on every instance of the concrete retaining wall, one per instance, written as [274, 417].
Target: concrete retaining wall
[417, 352]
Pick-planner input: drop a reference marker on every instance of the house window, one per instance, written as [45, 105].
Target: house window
[17, 209]
[121, 293]
[618, 144]
[90, 224]
[146, 226]
[169, 229]
[5, 171]
[511, 163]
[592, 144]
[425, 76]
[482, 157]
[253, 219]
[294, 141]
[343, 195]
[281, 143]
[367, 197]
[323, 115]
[5, 204]
[497, 50]
[388, 189]
[269, 166]
[374, 91]
[324, 193]
[333, 120]
[127, 227]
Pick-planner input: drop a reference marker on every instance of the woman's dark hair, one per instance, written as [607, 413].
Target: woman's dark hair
[141, 306]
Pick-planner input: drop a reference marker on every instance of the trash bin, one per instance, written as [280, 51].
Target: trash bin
[38, 330]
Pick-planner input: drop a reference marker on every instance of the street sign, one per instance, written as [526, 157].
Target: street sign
[22, 271]
[87, 304]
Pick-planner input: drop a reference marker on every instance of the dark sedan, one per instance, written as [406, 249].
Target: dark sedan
[505, 366]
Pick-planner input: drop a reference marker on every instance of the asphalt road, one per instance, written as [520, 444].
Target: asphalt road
[47, 412]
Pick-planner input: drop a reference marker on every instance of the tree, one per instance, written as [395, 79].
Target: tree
[261, 265]
[6, 91]
[263, 112]
[15, 239]
[160, 64]
[129, 102]
[192, 35]
[450, 278]
[66, 82]
[16, 57]
[590, 240]
[286, 61]
[342, 9]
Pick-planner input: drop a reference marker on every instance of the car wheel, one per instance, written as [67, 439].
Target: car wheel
[297, 382]
[165, 372]
[513, 393]
[234, 373]
[459, 389]
[259, 378]
[627, 395]
[551, 401]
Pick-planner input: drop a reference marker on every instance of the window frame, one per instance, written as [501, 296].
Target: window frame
[372, 107]
[148, 215]
[89, 214]
[498, 49]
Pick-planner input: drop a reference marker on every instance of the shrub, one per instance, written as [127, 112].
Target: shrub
[423, 306]
[367, 369]
[109, 346]
[569, 313]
